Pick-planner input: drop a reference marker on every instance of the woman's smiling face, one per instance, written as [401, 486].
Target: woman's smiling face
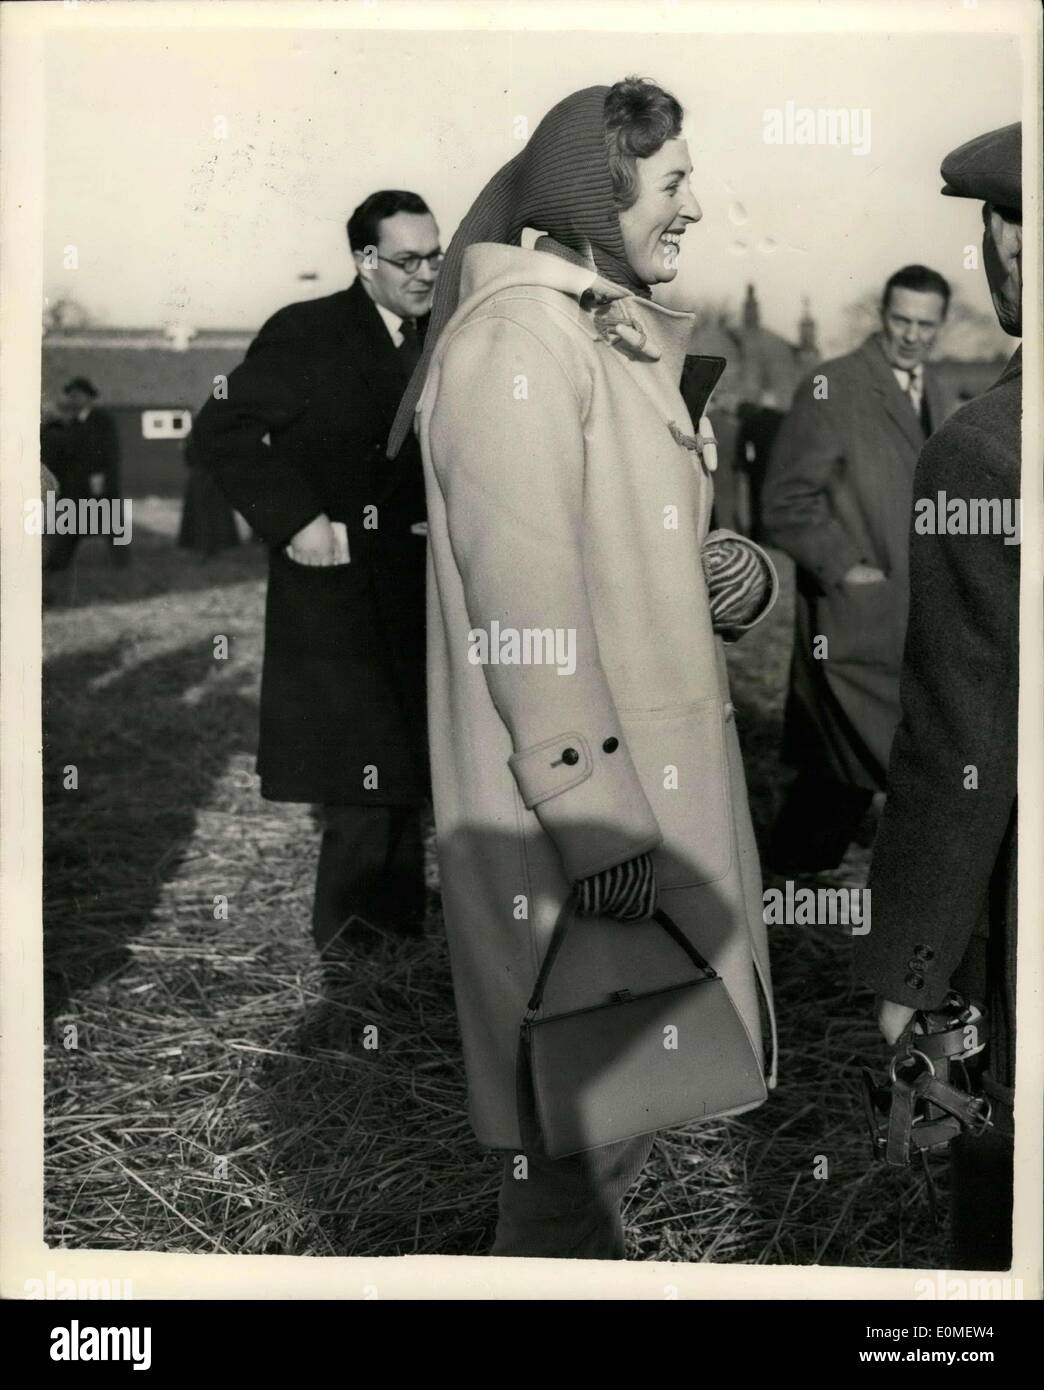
[653, 226]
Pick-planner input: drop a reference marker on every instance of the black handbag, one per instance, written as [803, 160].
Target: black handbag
[635, 1064]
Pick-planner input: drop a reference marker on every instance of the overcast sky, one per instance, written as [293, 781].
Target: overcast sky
[171, 221]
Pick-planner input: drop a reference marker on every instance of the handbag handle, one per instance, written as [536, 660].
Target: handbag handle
[558, 936]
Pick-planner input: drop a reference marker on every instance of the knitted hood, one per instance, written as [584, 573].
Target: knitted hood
[559, 183]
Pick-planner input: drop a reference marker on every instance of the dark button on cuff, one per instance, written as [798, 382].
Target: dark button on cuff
[924, 952]
[570, 757]
[917, 966]
[914, 982]
[610, 745]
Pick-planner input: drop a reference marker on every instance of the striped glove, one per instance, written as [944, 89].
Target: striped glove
[626, 891]
[738, 580]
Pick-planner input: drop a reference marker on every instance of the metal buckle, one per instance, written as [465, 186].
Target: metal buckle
[907, 1056]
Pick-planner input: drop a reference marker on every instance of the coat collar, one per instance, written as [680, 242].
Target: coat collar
[894, 399]
[374, 355]
[638, 327]
[1014, 367]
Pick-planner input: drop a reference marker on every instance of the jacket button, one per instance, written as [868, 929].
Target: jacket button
[610, 745]
[917, 966]
[570, 756]
[924, 952]
[915, 982]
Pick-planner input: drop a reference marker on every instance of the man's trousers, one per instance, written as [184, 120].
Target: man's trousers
[371, 866]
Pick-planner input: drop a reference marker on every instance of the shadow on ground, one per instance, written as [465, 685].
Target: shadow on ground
[129, 757]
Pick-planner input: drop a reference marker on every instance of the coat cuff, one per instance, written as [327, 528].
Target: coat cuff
[910, 974]
[586, 794]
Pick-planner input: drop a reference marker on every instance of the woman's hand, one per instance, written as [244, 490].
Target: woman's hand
[626, 891]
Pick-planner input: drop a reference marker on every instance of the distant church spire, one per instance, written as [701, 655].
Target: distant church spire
[806, 328]
[751, 310]
[808, 347]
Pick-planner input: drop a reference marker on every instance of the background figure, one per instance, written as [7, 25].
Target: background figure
[944, 871]
[298, 449]
[838, 498]
[92, 448]
[756, 430]
[208, 523]
[81, 446]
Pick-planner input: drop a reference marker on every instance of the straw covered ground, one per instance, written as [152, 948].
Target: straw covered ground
[207, 1084]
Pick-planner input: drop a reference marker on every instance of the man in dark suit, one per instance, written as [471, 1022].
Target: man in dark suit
[943, 878]
[85, 447]
[297, 443]
[837, 498]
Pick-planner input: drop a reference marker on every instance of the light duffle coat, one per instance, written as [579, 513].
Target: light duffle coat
[561, 496]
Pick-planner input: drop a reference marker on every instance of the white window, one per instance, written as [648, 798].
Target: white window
[165, 424]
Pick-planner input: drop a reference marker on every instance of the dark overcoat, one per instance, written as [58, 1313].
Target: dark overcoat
[208, 523]
[82, 448]
[943, 863]
[303, 430]
[839, 492]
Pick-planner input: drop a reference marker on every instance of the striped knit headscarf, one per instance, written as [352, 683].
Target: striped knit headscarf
[559, 184]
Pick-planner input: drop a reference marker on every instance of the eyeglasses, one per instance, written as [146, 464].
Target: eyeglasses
[409, 265]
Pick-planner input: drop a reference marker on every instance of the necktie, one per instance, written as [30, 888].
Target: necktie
[914, 388]
[410, 347]
[926, 417]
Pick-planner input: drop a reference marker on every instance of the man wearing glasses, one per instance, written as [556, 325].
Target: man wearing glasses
[297, 443]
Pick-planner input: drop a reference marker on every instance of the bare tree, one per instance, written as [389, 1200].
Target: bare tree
[64, 314]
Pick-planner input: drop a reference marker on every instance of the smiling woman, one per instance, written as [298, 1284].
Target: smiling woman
[650, 168]
[548, 409]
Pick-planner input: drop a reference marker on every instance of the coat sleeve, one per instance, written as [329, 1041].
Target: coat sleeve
[511, 473]
[796, 507]
[266, 482]
[940, 836]
[108, 453]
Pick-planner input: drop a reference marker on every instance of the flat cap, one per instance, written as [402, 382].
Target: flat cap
[988, 168]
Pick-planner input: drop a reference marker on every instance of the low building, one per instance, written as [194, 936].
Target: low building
[152, 381]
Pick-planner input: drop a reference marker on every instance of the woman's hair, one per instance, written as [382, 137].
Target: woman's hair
[639, 118]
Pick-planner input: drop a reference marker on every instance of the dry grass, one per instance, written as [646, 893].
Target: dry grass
[220, 1098]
